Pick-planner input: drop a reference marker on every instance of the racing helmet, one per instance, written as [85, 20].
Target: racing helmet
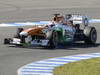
[57, 17]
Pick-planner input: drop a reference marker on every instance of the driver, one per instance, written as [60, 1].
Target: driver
[58, 20]
[67, 25]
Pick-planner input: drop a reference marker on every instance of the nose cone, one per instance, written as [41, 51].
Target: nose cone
[23, 33]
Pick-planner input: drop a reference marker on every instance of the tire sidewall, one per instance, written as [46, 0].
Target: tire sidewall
[54, 40]
[90, 35]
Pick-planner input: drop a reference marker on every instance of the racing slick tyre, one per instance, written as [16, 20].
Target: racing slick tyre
[17, 35]
[6, 41]
[90, 35]
[54, 40]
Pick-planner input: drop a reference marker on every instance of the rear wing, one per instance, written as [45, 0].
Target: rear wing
[81, 19]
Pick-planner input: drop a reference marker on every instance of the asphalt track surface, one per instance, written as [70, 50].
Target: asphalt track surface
[12, 58]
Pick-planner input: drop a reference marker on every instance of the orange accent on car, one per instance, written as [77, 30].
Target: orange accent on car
[35, 31]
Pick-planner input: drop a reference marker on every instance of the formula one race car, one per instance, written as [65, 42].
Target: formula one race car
[56, 32]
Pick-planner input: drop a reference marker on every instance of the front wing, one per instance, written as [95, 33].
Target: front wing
[17, 41]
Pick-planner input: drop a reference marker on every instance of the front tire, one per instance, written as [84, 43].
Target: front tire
[18, 32]
[54, 40]
[6, 41]
[17, 35]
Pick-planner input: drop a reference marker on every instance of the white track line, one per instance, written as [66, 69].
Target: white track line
[40, 23]
[25, 24]
[46, 67]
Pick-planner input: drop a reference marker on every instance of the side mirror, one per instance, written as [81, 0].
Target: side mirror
[85, 21]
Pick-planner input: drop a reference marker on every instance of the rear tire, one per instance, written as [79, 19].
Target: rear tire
[90, 35]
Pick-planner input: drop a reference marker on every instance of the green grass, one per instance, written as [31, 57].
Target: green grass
[83, 67]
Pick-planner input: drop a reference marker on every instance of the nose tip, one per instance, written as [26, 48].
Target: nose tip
[23, 34]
